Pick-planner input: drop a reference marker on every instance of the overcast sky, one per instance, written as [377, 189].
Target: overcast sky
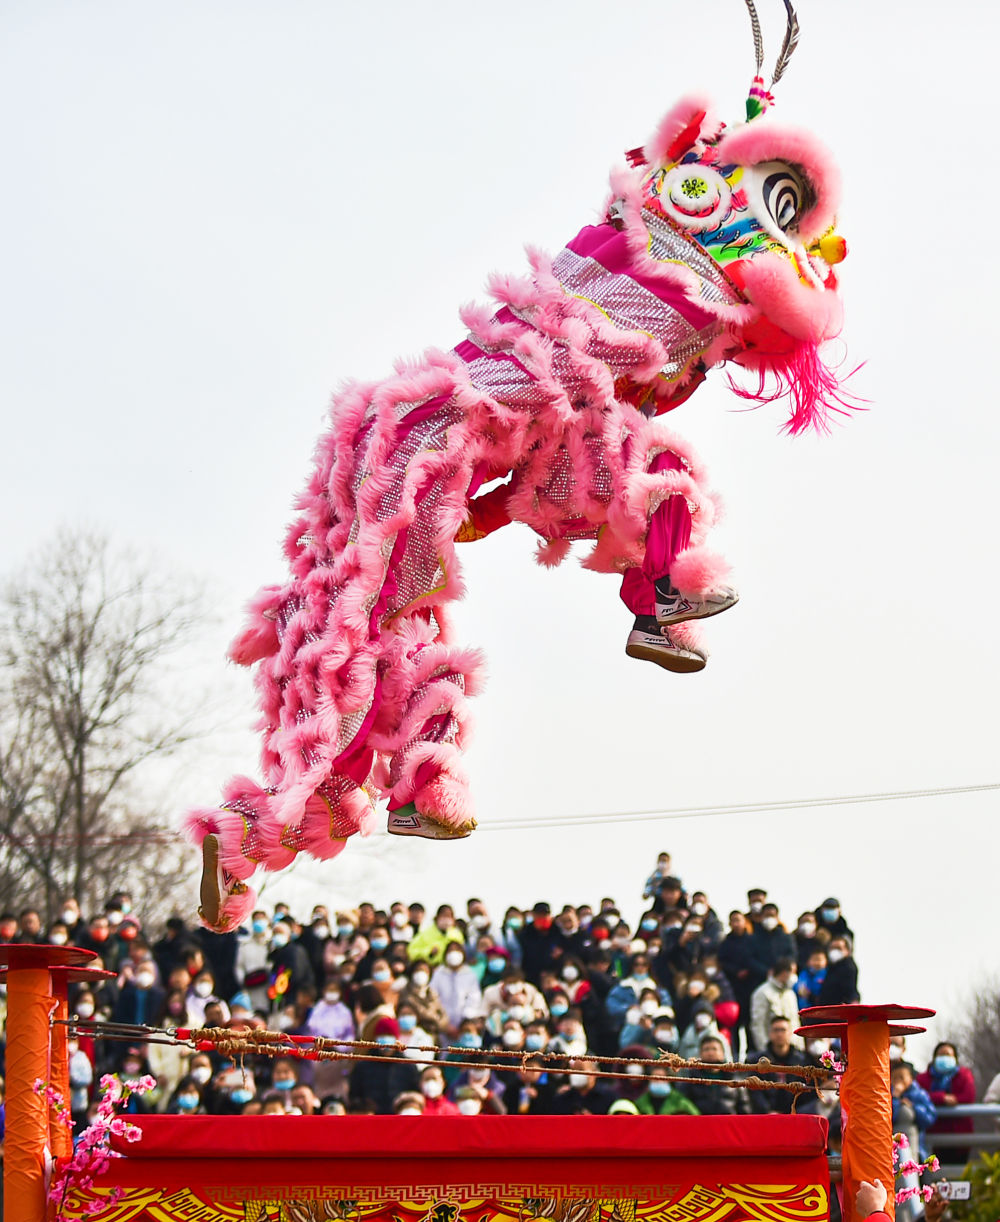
[217, 211]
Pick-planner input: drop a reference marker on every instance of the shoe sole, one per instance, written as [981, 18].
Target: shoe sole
[675, 662]
[707, 613]
[211, 896]
[425, 833]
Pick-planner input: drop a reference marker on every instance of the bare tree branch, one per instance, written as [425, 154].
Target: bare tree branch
[86, 636]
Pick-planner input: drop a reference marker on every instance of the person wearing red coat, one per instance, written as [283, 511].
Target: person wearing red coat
[948, 1084]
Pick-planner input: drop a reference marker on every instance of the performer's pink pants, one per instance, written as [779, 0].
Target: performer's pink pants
[669, 534]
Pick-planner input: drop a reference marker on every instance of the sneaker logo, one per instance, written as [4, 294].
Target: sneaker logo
[675, 604]
[405, 821]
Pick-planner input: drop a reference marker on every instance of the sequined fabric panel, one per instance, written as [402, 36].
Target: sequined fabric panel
[668, 246]
[631, 306]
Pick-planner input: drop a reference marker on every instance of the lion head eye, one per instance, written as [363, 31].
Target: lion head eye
[784, 194]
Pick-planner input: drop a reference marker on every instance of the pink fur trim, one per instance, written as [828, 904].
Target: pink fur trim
[692, 115]
[697, 572]
[260, 637]
[800, 310]
[689, 635]
[447, 799]
[234, 911]
[766, 139]
[552, 552]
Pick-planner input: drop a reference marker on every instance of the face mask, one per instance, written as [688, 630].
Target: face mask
[469, 1107]
[570, 973]
[515, 923]
[379, 943]
[278, 940]
[701, 1021]
[895, 1052]
[285, 1022]
[432, 1088]
[633, 1015]
[756, 905]
[807, 929]
[409, 1111]
[815, 1047]
[835, 956]
[479, 1077]
[420, 979]
[543, 923]
[201, 1074]
[382, 975]
[648, 923]
[187, 1103]
[578, 1080]
[944, 1064]
[659, 1089]
[665, 1035]
[558, 1009]
[331, 996]
[241, 1095]
[699, 909]
[69, 917]
[259, 926]
[454, 958]
[481, 920]
[131, 1069]
[59, 939]
[407, 1022]
[534, 1042]
[830, 914]
[285, 1083]
[469, 1039]
[203, 988]
[345, 931]
[85, 1009]
[696, 987]
[443, 926]
[496, 964]
[694, 929]
[99, 935]
[604, 943]
[793, 980]
[398, 920]
[115, 917]
[145, 980]
[321, 931]
[385, 1039]
[770, 923]
[711, 971]
[511, 1038]
[649, 1006]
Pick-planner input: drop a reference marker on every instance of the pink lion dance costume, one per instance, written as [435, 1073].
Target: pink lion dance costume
[716, 245]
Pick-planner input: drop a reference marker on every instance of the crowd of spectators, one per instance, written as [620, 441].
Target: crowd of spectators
[558, 988]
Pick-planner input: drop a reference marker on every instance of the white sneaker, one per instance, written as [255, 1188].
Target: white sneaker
[673, 608]
[652, 642]
[408, 821]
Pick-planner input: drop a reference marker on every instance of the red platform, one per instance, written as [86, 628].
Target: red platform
[378, 1156]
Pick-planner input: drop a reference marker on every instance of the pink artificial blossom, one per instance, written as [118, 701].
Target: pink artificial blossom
[92, 1153]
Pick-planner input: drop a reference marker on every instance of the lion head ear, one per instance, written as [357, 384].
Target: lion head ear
[690, 121]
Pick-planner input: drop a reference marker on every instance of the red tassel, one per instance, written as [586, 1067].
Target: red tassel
[636, 158]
